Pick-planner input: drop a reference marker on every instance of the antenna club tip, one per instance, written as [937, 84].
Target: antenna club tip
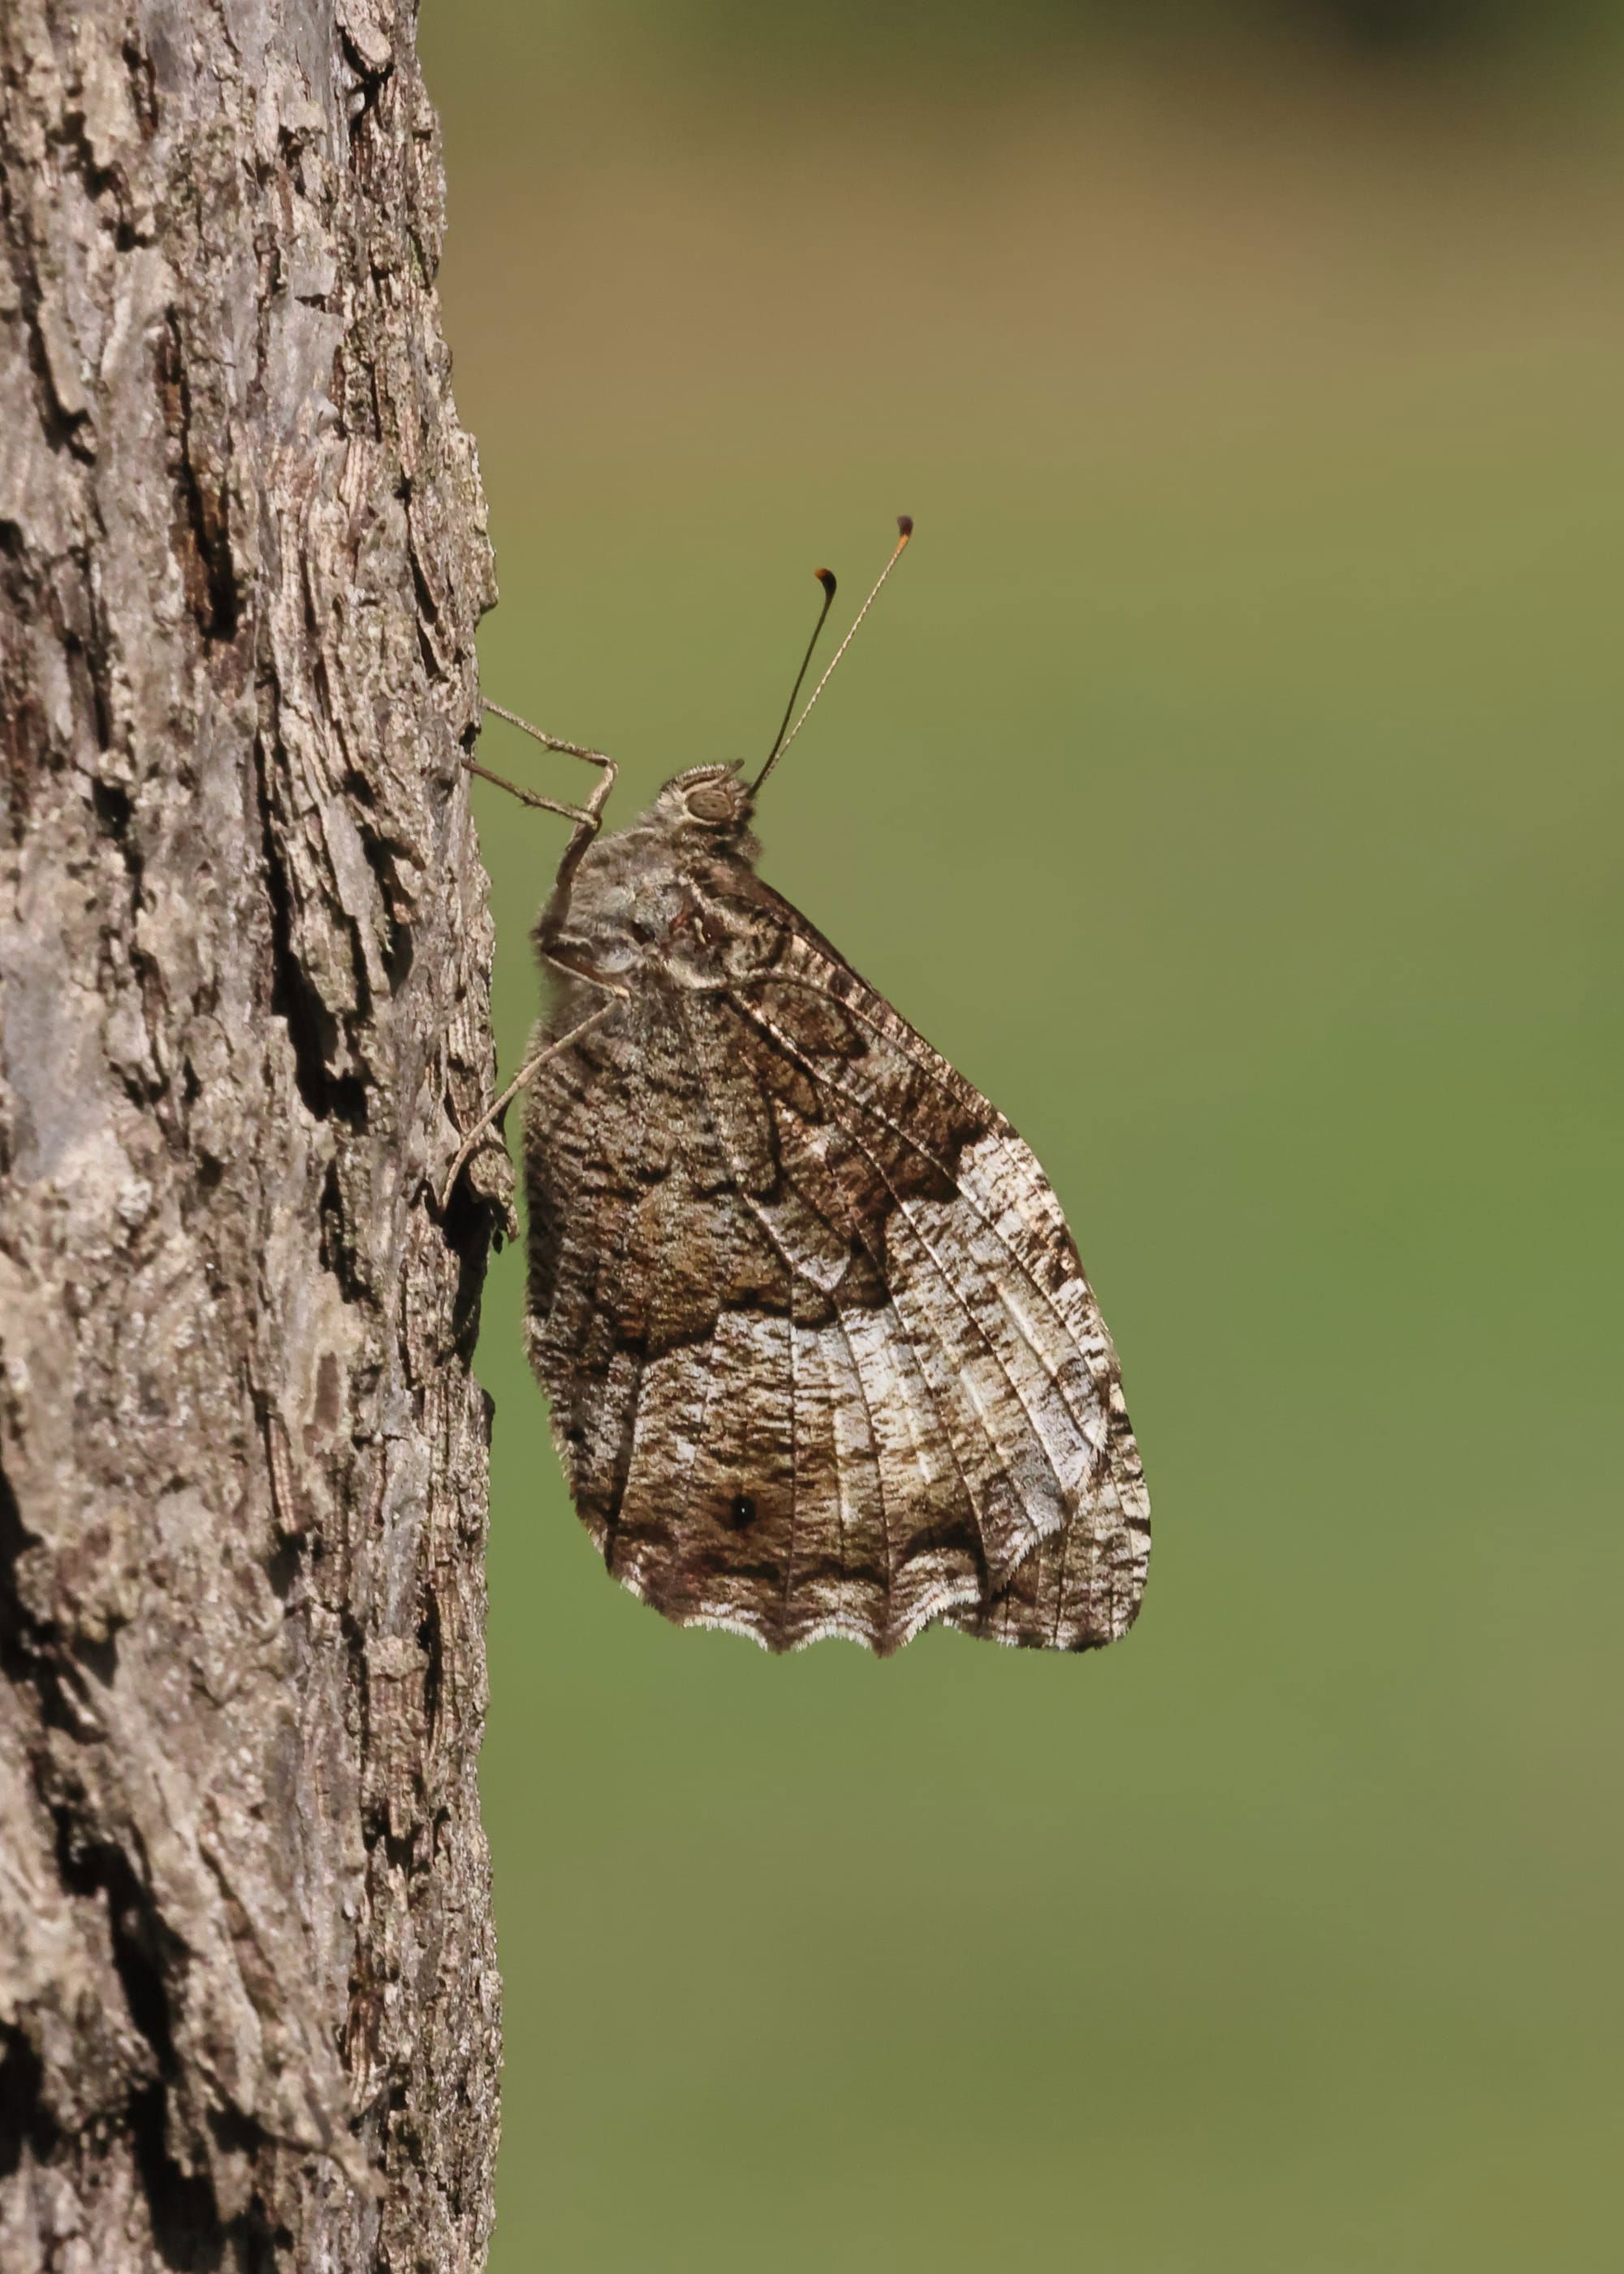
[826, 578]
[905, 526]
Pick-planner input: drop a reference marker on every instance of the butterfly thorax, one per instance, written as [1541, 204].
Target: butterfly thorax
[673, 898]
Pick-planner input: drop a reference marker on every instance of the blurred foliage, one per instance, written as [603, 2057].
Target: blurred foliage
[1412, 26]
[1229, 782]
[941, 38]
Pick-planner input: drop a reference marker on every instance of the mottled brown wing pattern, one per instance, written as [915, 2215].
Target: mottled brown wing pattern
[822, 1356]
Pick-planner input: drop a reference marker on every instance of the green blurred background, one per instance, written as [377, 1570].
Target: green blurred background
[1228, 783]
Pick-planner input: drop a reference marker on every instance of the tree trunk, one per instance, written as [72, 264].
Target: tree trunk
[248, 2004]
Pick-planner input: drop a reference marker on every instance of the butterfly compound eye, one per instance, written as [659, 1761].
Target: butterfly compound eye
[714, 802]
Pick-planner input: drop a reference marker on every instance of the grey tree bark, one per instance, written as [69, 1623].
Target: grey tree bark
[248, 2004]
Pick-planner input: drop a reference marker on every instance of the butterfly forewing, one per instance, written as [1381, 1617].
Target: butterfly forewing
[821, 1357]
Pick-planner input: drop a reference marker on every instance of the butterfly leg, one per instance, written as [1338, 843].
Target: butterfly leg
[588, 815]
[574, 813]
[588, 819]
[617, 995]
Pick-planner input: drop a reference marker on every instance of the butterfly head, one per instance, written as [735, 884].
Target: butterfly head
[715, 800]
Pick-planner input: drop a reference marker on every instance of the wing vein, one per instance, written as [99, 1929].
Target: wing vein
[943, 1275]
[876, 1113]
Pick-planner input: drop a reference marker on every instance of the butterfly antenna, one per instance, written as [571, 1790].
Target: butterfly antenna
[904, 530]
[826, 578]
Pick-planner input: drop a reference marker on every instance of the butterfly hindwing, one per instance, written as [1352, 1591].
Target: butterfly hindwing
[822, 1356]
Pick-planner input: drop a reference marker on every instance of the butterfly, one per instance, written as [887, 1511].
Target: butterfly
[821, 1356]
